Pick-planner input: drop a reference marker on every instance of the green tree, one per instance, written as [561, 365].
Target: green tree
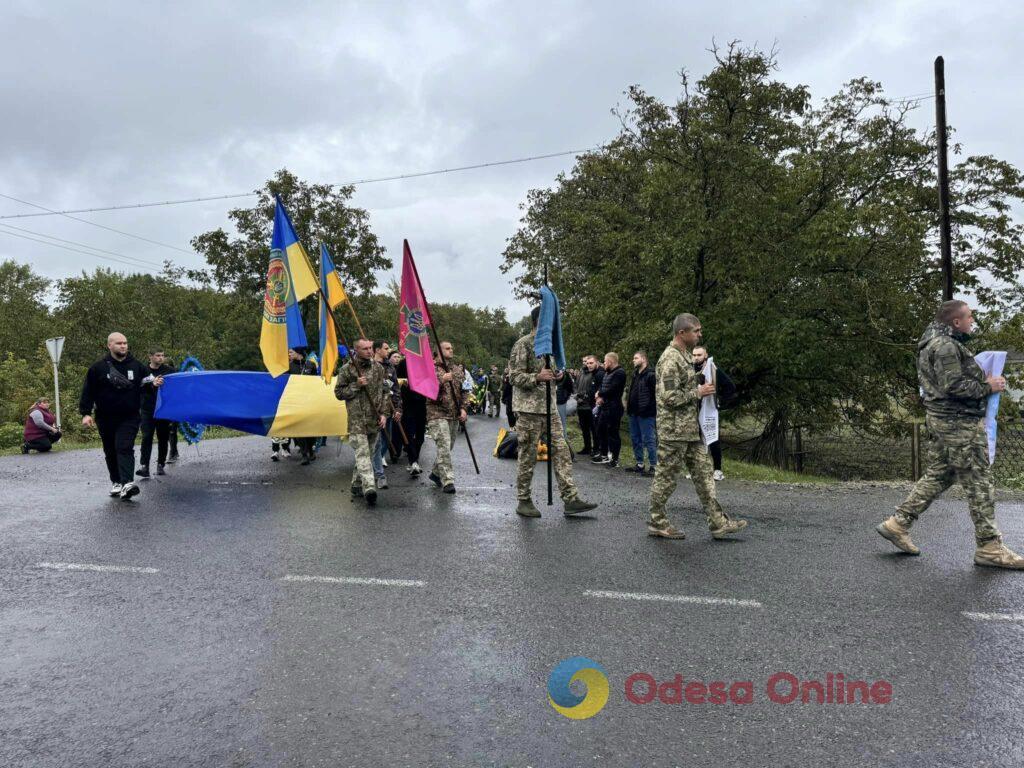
[24, 315]
[320, 213]
[803, 236]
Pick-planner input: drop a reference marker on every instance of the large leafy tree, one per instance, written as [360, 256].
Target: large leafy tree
[321, 213]
[803, 236]
[24, 315]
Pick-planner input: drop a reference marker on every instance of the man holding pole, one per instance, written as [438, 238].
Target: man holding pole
[444, 415]
[532, 401]
[362, 385]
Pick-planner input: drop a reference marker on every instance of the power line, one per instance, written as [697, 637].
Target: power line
[65, 214]
[76, 250]
[85, 245]
[420, 174]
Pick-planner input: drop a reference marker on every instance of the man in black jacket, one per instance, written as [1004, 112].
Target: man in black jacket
[414, 418]
[609, 400]
[641, 409]
[298, 365]
[585, 391]
[113, 387]
[157, 367]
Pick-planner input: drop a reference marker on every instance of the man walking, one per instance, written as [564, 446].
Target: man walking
[679, 437]
[641, 409]
[157, 367]
[414, 418]
[955, 391]
[113, 387]
[609, 400]
[392, 409]
[494, 393]
[361, 384]
[444, 416]
[530, 403]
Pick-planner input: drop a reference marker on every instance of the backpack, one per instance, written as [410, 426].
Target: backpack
[507, 446]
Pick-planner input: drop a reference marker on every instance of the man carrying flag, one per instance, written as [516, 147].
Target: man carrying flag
[334, 292]
[532, 400]
[290, 279]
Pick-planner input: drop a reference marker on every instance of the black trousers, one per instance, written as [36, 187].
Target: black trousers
[586, 419]
[305, 445]
[118, 436]
[414, 422]
[715, 449]
[42, 444]
[610, 423]
[173, 438]
[162, 428]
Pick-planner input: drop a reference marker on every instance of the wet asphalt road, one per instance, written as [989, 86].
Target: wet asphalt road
[212, 658]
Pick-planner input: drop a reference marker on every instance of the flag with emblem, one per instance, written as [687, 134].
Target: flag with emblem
[413, 334]
[290, 279]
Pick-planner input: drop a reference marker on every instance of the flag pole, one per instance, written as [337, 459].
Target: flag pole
[341, 335]
[437, 343]
[550, 442]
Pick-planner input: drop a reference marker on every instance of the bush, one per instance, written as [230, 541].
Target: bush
[11, 435]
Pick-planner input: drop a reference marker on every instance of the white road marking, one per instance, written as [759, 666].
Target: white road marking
[355, 580]
[994, 616]
[97, 568]
[694, 599]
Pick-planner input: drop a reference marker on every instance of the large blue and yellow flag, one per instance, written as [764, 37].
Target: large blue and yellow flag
[290, 279]
[258, 403]
[332, 289]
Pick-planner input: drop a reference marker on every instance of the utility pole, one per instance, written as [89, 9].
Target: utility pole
[940, 131]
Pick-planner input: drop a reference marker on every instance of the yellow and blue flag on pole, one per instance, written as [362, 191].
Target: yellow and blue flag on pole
[332, 289]
[290, 279]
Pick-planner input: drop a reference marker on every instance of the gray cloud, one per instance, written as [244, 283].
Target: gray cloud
[109, 104]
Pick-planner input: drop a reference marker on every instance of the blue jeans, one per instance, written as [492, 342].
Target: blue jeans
[643, 433]
[377, 458]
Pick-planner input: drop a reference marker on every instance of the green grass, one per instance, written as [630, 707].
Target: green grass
[733, 469]
[70, 445]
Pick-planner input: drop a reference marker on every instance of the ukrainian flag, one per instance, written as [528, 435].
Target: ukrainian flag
[332, 289]
[258, 403]
[290, 279]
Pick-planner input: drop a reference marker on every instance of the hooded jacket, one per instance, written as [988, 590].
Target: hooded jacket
[952, 383]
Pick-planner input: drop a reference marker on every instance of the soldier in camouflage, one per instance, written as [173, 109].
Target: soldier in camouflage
[363, 386]
[494, 393]
[444, 415]
[955, 391]
[529, 380]
[680, 447]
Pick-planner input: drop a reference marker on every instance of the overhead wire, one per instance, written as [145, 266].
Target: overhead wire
[75, 250]
[140, 261]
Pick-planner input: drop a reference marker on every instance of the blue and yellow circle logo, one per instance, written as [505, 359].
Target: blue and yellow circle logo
[567, 703]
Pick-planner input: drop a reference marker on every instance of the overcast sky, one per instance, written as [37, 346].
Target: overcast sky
[107, 103]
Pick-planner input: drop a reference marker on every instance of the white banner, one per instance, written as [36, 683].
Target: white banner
[709, 407]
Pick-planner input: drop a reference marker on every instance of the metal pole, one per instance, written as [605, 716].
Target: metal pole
[56, 393]
[944, 227]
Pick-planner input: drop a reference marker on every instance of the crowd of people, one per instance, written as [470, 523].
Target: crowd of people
[386, 418]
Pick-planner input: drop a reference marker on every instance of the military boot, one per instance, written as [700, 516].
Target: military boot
[664, 531]
[996, 554]
[576, 505]
[526, 508]
[893, 529]
[727, 527]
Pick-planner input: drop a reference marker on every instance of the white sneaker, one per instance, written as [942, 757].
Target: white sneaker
[128, 490]
[415, 469]
[384, 461]
[115, 489]
[688, 476]
[719, 475]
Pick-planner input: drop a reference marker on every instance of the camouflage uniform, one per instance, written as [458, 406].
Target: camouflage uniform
[494, 394]
[955, 393]
[679, 439]
[443, 420]
[363, 426]
[528, 403]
